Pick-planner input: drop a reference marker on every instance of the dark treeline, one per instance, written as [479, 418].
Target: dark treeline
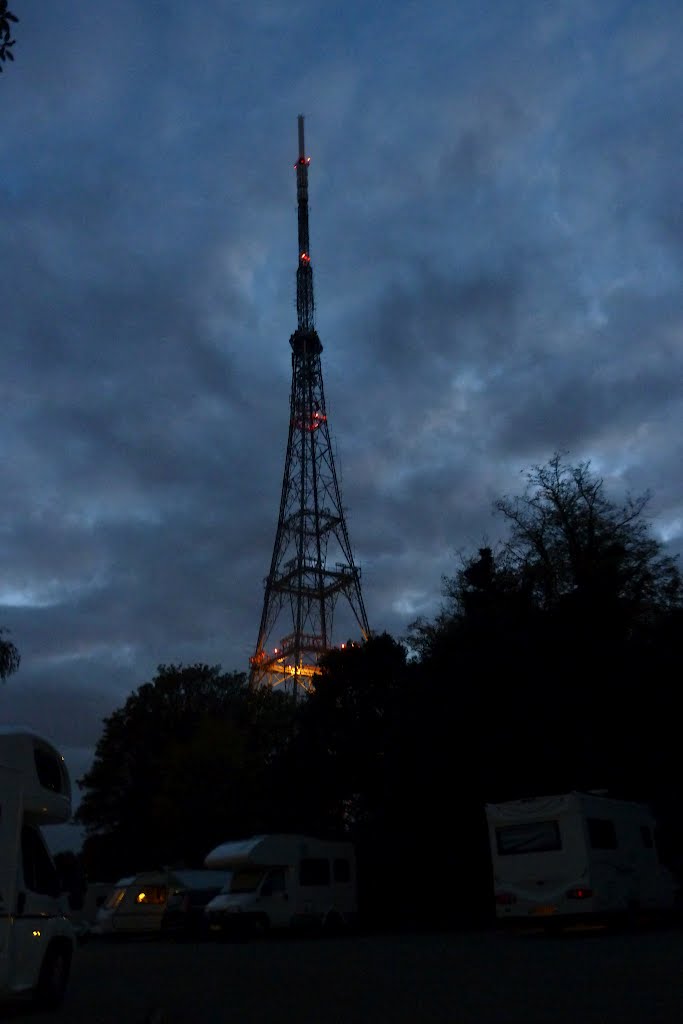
[552, 665]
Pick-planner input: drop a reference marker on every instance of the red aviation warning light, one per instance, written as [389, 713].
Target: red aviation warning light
[305, 258]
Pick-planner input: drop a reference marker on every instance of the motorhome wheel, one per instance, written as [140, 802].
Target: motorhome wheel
[54, 977]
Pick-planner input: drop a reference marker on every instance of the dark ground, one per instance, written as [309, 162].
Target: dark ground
[460, 978]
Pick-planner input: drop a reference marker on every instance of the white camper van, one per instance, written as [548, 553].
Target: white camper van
[36, 939]
[573, 855]
[283, 881]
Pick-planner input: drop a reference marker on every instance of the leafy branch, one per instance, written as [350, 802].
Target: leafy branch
[6, 41]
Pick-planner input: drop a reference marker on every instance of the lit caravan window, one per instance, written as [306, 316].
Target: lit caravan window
[314, 871]
[152, 895]
[49, 769]
[531, 837]
[602, 834]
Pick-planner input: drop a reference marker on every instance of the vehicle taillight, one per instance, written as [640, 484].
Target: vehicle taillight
[579, 893]
[505, 899]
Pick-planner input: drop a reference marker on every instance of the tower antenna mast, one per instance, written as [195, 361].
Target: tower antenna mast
[312, 562]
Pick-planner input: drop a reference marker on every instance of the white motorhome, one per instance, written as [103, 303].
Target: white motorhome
[284, 881]
[36, 938]
[575, 854]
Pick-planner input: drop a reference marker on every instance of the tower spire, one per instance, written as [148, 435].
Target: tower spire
[305, 306]
[312, 562]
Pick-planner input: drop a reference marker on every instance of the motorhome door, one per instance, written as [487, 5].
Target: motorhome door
[274, 898]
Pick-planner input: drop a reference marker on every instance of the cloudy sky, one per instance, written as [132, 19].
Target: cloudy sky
[497, 237]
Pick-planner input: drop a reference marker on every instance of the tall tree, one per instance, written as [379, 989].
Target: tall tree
[574, 559]
[331, 777]
[570, 543]
[360, 764]
[553, 657]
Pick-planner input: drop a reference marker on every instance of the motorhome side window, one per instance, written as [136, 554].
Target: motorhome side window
[40, 874]
[152, 895]
[528, 837]
[49, 769]
[602, 834]
[314, 871]
[341, 870]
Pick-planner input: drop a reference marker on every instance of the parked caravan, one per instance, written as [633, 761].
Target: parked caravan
[573, 855]
[36, 938]
[283, 881]
[138, 903]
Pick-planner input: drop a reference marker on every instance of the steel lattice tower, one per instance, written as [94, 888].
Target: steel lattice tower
[312, 563]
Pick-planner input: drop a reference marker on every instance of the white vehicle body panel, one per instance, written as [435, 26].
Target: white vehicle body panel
[34, 790]
[285, 881]
[575, 854]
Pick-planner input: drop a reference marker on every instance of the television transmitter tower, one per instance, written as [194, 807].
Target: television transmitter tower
[312, 563]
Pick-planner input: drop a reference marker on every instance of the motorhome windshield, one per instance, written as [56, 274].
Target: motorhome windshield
[529, 837]
[247, 880]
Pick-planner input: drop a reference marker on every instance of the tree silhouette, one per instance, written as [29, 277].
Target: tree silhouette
[575, 563]
[569, 541]
[332, 776]
[182, 766]
[6, 41]
[9, 656]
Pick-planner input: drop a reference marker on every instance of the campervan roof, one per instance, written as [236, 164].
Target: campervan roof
[266, 850]
[540, 806]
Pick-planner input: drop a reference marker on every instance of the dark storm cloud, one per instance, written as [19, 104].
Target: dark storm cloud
[496, 237]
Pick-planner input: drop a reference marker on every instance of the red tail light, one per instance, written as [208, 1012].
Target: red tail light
[505, 899]
[580, 893]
